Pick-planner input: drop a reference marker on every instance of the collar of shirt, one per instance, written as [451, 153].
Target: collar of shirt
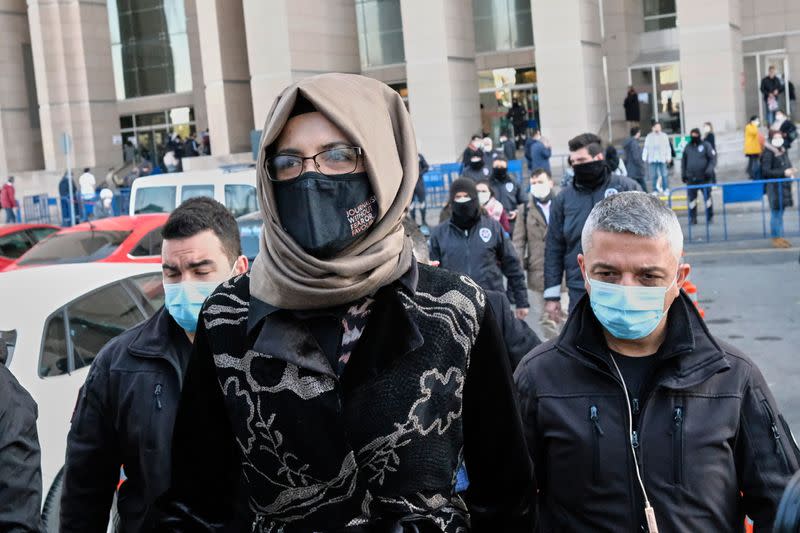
[260, 309]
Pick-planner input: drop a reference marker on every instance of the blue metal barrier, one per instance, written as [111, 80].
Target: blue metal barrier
[735, 193]
[439, 177]
[36, 209]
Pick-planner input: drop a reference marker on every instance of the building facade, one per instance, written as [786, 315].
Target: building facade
[112, 73]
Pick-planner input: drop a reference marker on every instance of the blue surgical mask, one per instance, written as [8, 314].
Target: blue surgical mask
[184, 301]
[628, 311]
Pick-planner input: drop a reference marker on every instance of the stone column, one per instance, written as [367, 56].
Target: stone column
[569, 69]
[439, 41]
[223, 49]
[291, 39]
[711, 63]
[71, 47]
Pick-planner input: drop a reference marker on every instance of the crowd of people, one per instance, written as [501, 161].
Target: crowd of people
[351, 380]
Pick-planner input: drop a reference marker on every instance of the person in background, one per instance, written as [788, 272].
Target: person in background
[506, 189]
[489, 153]
[88, 184]
[615, 164]
[708, 135]
[771, 89]
[787, 128]
[633, 158]
[518, 116]
[631, 105]
[126, 409]
[473, 149]
[752, 148]
[8, 200]
[657, 153]
[486, 121]
[592, 182]
[104, 209]
[508, 146]
[491, 205]
[475, 244]
[637, 418]
[775, 164]
[538, 152]
[419, 193]
[63, 192]
[20, 457]
[529, 240]
[697, 168]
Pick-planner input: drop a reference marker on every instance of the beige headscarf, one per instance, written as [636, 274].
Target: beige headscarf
[372, 116]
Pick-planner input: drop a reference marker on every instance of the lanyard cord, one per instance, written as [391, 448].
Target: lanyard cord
[648, 509]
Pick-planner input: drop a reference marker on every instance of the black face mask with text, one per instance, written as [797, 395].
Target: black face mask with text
[590, 175]
[324, 214]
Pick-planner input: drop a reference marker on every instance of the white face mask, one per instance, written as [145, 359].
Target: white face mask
[706, 129]
[777, 142]
[484, 197]
[756, 123]
[540, 190]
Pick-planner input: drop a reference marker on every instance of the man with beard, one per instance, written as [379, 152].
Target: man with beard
[592, 183]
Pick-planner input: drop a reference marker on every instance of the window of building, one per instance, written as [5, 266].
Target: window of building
[380, 32]
[502, 24]
[659, 15]
[150, 47]
[148, 133]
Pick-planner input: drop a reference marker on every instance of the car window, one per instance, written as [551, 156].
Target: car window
[150, 244]
[154, 200]
[14, 245]
[151, 290]
[8, 339]
[97, 318]
[76, 247]
[249, 235]
[53, 360]
[40, 233]
[240, 199]
[193, 191]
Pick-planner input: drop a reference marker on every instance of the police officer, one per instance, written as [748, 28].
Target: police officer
[697, 168]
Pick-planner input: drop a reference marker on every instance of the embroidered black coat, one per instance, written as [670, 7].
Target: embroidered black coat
[427, 388]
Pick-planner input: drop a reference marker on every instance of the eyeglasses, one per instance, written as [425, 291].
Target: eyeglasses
[333, 162]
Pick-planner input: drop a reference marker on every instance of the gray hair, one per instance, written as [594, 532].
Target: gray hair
[634, 212]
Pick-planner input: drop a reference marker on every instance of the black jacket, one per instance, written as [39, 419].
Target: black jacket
[771, 84]
[708, 432]
[698, 162]
[382, 441]
[631, 105]
[509, 149]
[20, 459]
[568, 214]
[773, 165]
[508, 192]
[519, 338]
[484, 252]
[124, 416]
[633, 158]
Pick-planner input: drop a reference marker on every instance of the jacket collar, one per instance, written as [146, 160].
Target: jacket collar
[692, 353]
[160, 337]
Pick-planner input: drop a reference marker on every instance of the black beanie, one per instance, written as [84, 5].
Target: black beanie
[463, 185]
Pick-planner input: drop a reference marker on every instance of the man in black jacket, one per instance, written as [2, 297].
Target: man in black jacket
[636, 415]
[475, 244]
[20, 463]
[771, 86]
[126, 410]
[569, 211]
[506, 189]
[697, 168]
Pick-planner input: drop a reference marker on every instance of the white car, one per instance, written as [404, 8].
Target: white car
[53, 321]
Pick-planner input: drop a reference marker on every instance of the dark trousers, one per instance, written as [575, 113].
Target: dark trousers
[692, 193]
[641, 181]
[754, 166]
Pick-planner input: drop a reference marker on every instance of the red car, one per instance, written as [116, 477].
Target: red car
[128, 239]
[16, 239]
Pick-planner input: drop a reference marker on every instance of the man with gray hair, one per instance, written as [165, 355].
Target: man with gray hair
[636, 417]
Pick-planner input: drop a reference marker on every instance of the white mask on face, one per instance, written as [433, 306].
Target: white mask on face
[777, 141]
[484, 197]
[706, 129]
[540, 190]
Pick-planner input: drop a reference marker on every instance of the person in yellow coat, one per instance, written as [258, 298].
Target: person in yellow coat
[752, 147]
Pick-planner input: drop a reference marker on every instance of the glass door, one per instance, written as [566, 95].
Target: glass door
[660, 96]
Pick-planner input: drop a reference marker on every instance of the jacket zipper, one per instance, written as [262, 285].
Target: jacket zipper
[157, 395]
[594, 416]
[776, 435]
[677, 445]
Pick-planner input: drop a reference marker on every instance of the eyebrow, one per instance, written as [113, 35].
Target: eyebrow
[196, 264]
[328, 146]
[649, 268]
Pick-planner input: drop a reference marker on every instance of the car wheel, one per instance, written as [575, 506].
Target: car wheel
[51, 510]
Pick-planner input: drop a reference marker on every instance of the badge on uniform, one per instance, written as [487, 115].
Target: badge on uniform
[611, 192]
[485, 234]
[700, 148]
[510, 187]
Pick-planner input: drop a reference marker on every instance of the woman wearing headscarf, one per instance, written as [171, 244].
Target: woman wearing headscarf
[340, 385]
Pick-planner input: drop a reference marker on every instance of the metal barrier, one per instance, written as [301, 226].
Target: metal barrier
[35, 209]
[752, 191]
[84, 210]
[439, 177]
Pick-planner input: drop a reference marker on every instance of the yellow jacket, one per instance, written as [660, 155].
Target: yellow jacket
[752, 146]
